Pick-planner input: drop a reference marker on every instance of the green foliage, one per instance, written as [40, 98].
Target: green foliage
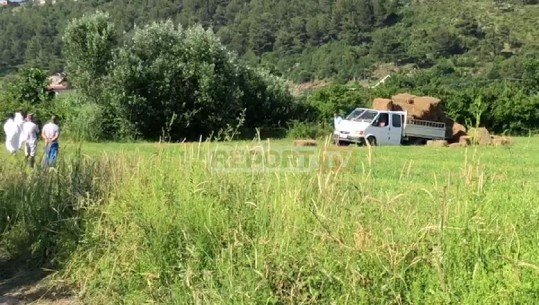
[81, 119]
[266, 99]
[88, 49]
[41, 212]
[303, 130]
[324, 39]
[30, 87]
[27, 91]
[476, 41]
[510, 106]
[166, 77]
[336, 99]
[186, 73]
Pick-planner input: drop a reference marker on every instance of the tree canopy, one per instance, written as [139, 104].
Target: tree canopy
[302, 40]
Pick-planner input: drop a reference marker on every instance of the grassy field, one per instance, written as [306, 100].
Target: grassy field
[152, 223]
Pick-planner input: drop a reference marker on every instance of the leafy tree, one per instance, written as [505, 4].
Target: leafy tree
[167, 79]
[89, 42]
[28, 92]
[30, 87]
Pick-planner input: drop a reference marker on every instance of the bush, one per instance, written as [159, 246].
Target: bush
[167, 79]
[300, 130]
[340, 99]
[80, 119]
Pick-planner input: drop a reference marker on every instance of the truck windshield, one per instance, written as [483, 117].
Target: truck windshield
[356, 113]
[362, 115]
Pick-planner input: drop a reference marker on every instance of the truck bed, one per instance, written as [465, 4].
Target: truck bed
[424, 129]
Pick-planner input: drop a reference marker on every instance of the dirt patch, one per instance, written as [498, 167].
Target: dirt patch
[298, 89]
[31, 286]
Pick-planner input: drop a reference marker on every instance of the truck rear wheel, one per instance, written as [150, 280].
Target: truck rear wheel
[372, 141]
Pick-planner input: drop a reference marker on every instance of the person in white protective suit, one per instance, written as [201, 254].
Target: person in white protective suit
[19, 120]
[13, 131]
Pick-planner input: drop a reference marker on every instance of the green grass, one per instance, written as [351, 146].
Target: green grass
[397, 225]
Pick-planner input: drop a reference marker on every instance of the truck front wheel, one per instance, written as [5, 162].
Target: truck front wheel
[372, 141]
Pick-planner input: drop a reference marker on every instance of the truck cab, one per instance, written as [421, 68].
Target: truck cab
[368, 125]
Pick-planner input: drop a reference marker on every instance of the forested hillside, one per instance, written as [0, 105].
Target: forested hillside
[304, 40]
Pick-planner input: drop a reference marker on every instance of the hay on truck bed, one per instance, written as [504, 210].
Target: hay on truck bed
[403, 98]
[431, 107]
[427, 108]
[382, 104]
[420, 108]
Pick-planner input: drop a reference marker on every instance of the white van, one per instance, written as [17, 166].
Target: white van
[379, 127]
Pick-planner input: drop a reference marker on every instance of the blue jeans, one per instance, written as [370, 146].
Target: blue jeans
[51, 152]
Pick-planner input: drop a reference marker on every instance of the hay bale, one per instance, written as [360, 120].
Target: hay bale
[501, 141]
[431, 108]
[437, 143]
[382, 104]
[426, 101]
[480, 136]
[403, 98]
[457, 131]
[421, 108]
[305, 143]
[465, 140]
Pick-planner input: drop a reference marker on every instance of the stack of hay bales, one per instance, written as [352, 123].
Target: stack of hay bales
[418, 107]
[422, 108]
[431, 109]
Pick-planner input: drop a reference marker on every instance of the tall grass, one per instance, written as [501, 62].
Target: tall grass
[41, 211]
[392, 227]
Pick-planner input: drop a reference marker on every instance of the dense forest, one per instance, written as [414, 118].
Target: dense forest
[303, 40]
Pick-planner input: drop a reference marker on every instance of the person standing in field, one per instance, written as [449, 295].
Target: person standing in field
[30, 131]
[50, 134]
[19, 120]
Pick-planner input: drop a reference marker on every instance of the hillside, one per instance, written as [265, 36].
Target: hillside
[344, 39]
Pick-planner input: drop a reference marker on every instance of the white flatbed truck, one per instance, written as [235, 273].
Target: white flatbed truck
[378, 127]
